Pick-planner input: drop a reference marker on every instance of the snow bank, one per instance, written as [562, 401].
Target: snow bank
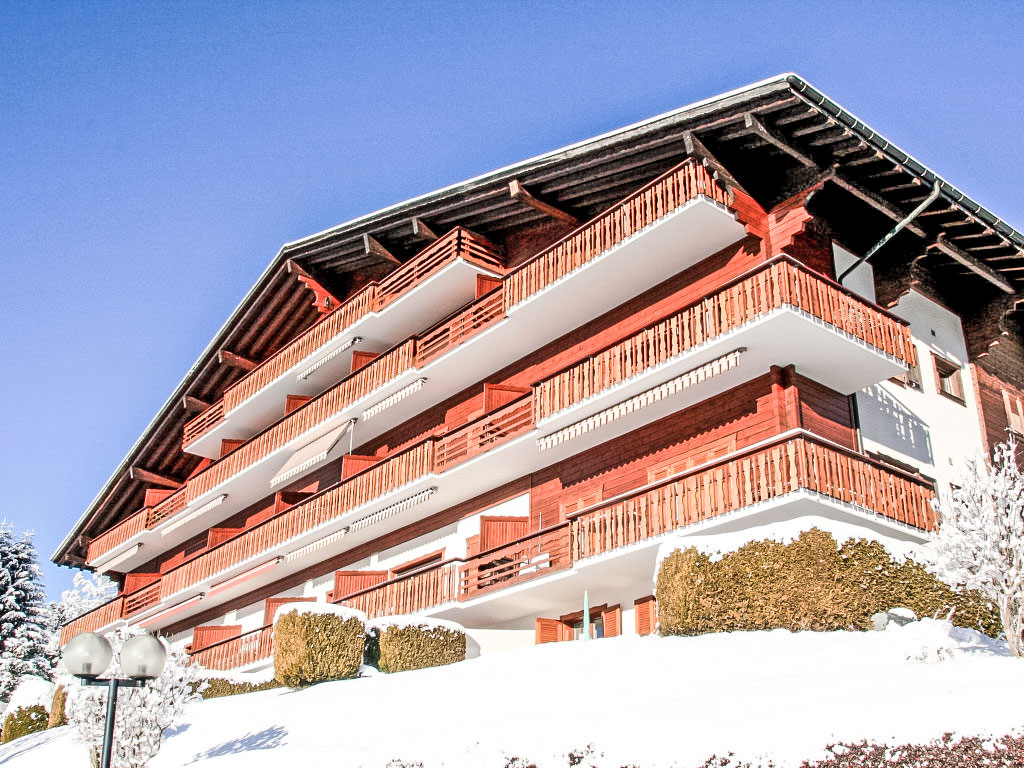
[320, 608]
[30, 691]
[648, 701]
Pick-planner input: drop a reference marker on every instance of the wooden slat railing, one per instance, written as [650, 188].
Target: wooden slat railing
[169, 507]
[357, 490]
[753, 477]
[665, 194]
[483, 434]
[305, 418]
[481, 314]
[782, 282]
[408, 594]
[142, 598]
[118, 535]
[98, 618]
[236, 651]
[528, 558]
[460, 243]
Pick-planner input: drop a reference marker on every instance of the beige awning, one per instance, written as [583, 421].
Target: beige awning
[311, 454]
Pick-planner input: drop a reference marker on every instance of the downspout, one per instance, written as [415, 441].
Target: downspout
[895, 230]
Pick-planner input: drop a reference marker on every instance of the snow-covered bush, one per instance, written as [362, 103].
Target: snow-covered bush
[314, 642]
[219, 686]
[22, 721]
[88, 591]
[402, 643]
[808, 583]
[980, 544]
[26, 621]
[142, 713]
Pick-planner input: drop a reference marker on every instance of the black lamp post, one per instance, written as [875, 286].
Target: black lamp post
[88, 655]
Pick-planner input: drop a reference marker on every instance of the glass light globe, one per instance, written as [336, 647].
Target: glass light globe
[87, 655]
[143, 657]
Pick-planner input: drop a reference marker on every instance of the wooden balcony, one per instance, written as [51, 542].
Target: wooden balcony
[145, 519]
[769, 472]
[780, 283]
[661, 197]
[97, 619]
[459, 244]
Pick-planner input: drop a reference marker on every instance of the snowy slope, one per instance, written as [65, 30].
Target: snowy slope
[645, 701]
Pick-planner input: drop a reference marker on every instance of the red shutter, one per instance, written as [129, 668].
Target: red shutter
[134, 581]
[292, 402]
[273, 603]
[204, 636]
[217, 535]
[646, 611]
[227, 446]
[351, 464]
[347, 582]
[496, 531]
[612, 621]
[360, 359]
[551, 631]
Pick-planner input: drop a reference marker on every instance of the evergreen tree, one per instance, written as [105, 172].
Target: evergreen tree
[26, 621]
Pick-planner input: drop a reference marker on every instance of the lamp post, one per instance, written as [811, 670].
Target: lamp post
[88, 655]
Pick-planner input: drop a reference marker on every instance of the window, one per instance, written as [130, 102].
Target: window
[949, 379]
[1014, 412]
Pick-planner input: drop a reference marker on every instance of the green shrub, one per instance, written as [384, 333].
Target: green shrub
[218, 687]
[58, 717]
[810, 583]
[311, 647]
[403, 646]
[23, 721]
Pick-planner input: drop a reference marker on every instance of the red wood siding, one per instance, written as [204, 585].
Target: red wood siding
[496, 531]
[204, 636]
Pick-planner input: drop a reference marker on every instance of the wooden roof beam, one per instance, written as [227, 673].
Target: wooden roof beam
[977, 267]
[754, 124]
[518, 192]
[695, 148]
[323, 300]
[194, 404]
[372, 247]
[422, 232]
[232, 360]
[154, 478]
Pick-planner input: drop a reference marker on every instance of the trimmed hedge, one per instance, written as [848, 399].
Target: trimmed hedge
[23, 721]
[58, 717]
[403, 647]
[218, 687]
[314, 647]
[810, 583]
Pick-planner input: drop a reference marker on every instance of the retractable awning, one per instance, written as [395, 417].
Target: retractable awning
[311, 454]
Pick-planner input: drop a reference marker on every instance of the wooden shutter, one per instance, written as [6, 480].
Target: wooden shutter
[360, 359]
[612, 621]
[292, 402]
[1014, 412]
[204, 636]
[352, 463]
[646, 613]
[134, 581]
[551, 631]
[347, 582]
[227, 446]
[497, 530]
[217, 535]
[273, 603]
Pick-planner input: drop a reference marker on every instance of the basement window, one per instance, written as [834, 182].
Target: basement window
[949, 379]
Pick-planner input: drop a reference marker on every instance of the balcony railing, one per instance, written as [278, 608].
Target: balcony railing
[661, 197]
[145, 518]
[98, 618]
[457, 244]
[783, 282]
[237, 651]
[750, 477]
[448, 334]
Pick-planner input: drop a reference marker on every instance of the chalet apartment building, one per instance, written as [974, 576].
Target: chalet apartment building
[479, 403]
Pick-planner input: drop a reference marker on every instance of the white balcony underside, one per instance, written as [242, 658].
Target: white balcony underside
[782, 337]
[435, 298]
[672, 244]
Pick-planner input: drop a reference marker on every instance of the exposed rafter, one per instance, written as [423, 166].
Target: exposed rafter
[323, 300]
[421, 231]
[975, 266]
[696, 148]
[154, 478]
[754, 124]
[194, 404]
[523, 195]
[373, 247]
[224, 357]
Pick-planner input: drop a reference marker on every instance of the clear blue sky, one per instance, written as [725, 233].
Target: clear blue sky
[155, 156]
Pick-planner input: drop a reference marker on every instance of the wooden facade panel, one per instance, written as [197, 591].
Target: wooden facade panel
[645, 612]
[208, 635]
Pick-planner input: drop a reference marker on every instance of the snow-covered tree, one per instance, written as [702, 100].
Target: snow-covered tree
[88, 591]
[26, 621]
[142, 713]
[980, 544]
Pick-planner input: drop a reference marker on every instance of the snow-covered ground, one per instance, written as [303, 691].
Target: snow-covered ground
[644, 701]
